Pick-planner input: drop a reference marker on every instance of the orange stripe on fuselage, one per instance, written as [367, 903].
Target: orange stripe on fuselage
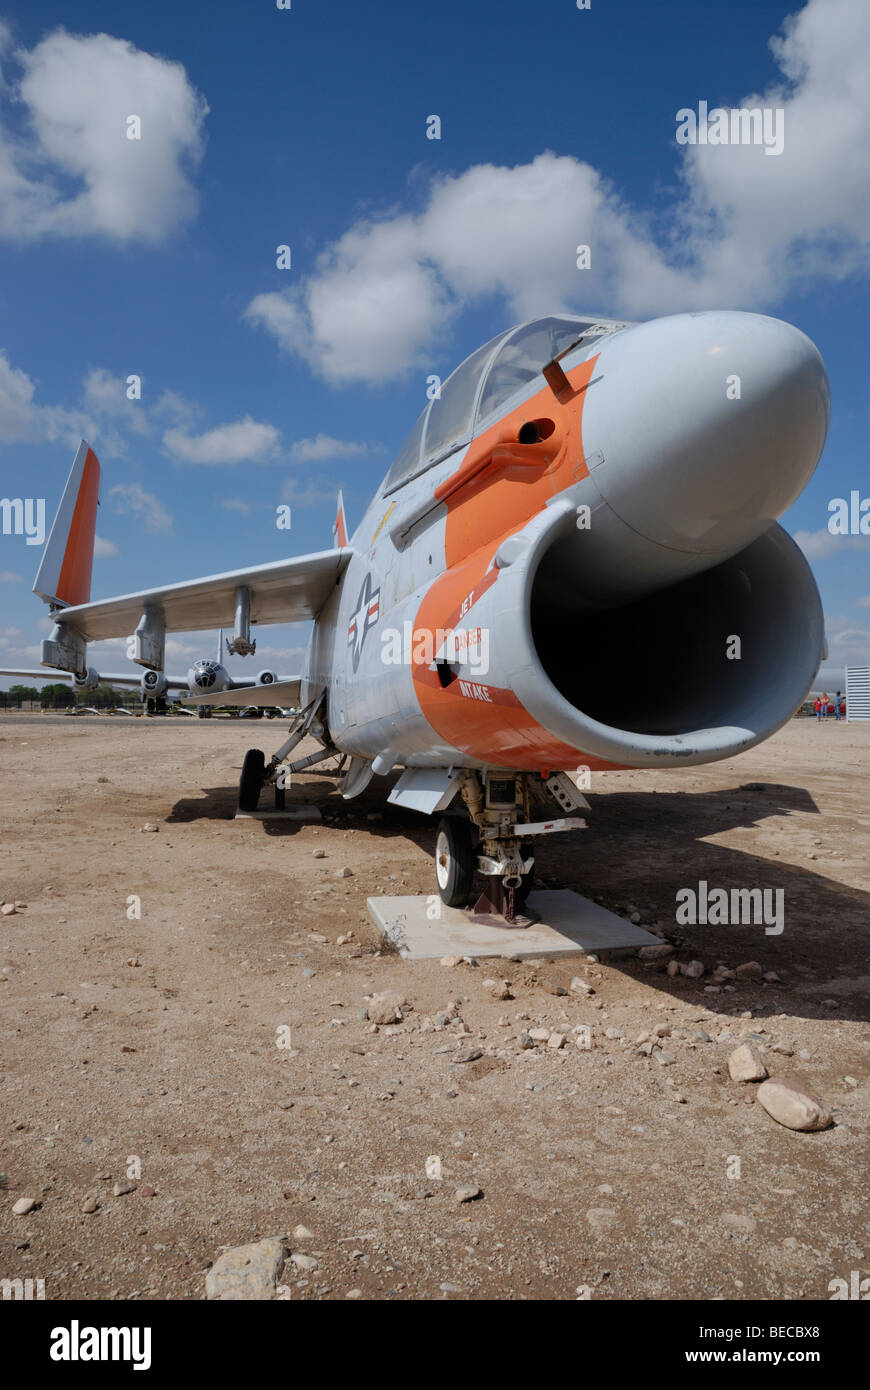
[74, 581]
[489, 497]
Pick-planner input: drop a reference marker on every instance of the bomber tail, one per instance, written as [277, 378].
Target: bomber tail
[64, 576]
[339, 530]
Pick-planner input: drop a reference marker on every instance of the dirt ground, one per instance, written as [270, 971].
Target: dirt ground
[602, 1170]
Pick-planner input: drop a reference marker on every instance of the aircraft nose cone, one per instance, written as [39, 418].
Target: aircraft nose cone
[720, 421]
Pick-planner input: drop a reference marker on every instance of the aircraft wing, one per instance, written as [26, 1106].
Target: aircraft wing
[284, 692]
[46, 675]
[285, 591]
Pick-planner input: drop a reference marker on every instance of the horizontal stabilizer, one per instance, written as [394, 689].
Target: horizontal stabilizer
[262, 696]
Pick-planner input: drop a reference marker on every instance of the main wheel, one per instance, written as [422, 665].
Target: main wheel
[454, 861]
[251, 780]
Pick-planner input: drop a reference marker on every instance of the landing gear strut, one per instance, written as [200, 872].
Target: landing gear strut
[498, 806]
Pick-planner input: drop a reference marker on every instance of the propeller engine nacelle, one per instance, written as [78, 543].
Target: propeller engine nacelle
[208, 678]
[153, 684]
[89, 681]
[266, 677]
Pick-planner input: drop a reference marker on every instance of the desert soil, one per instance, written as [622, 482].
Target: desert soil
[164, 1040]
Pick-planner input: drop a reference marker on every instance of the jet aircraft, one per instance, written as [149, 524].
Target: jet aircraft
[573, 565]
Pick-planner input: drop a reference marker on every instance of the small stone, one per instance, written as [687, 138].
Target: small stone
[471, 1054]
[343, 873]
[581, 986]
[539, 1034]
[556, 1040]
[613, 1033]
[150, 826]
[772, 978]
[749, 970]
[354, 1293]
[657, 952]
[664, 1059]
[744, 1064]
[790, 1104]
[672, 968]
[386, 1007]
[302, 1233]
[450, 961]
[694, 970]
[307, 1263]
[600, 1218]
[24, 1206]
[147, 1191]
[850, 1080]
[662, 1030]
[8, 909]
[318, 854]
[90, 1205]
[784, 1048]
[469, 1193]
[499, 989]
[247, 1272]
[122, 1187]
[525, 1041]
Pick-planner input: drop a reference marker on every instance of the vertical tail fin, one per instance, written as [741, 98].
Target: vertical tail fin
[339, 530]
[64, 575]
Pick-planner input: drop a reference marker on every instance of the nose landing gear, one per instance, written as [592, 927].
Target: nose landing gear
[498, 806]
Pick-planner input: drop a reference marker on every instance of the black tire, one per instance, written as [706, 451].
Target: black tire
[454, 861]
[251, 780]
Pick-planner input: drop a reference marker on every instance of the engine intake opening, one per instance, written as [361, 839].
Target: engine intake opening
[737, 645]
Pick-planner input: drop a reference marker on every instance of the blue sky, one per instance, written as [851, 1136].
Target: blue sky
[307, 127]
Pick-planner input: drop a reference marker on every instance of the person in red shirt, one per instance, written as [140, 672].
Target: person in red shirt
[817, 706]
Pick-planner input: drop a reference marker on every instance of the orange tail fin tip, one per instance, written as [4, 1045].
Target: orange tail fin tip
[64, 575]
[339, 530]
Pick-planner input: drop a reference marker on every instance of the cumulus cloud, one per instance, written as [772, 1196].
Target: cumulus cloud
[71, 170]
[131, 499]
[103, 549]
[309, 493]
[848, 642]
[106, 395]
[24, 421]
[7, 577]
[226, 444]
[323, 447]
[742, 229]
[821, 545]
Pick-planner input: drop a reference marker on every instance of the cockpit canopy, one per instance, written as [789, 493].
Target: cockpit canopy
[484, 384]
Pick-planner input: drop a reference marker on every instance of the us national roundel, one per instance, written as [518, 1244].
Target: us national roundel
[365, 616]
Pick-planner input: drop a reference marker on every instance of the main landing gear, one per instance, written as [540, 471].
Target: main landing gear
[257, 773]
[498, 809]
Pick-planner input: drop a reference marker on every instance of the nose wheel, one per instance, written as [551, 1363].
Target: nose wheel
[454, 861]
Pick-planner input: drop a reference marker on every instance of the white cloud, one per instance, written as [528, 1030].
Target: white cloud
[7, 577]
[131, 499]
[235, 443]
[24, 421]
[742, 229]
[323, 447]
[71, 170]
[103, 549]
[106, 395]
[848, 642]
[236, 504]
[821, 545]
[309, 493]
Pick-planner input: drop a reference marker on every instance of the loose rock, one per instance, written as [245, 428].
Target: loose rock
[791, 1104]
[744, 1064]
[247, 1272]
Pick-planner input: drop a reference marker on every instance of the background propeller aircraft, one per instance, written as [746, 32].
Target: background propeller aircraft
[580, 537]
